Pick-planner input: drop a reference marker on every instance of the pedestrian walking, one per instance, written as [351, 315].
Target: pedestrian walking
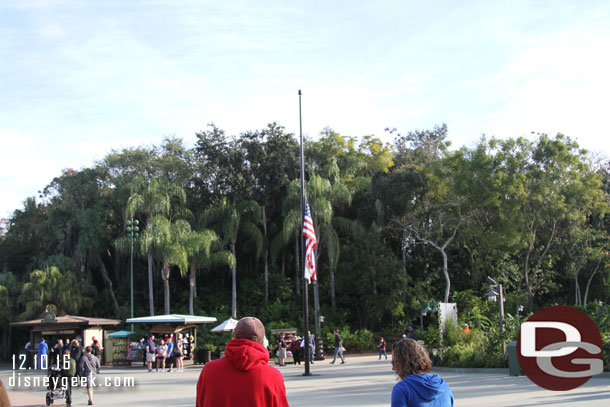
[281, 348]
[312, 346]
[43, 349]
[96, 349]
[382, 348]
[89, 367]
[76, 352]
[412, 334]
[68, 372]
[338, 348]
[295, 348]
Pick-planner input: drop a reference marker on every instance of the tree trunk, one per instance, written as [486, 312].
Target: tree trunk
[266, 272]
[446, 274]
[6, 334]
[266, 278]
[404, 263]
[584, 303]
[316, 301]
[526, 267]
[332, 282]
[297, 258]
[577, 290]
[165, 276]
[108, 281]
[192, 290]
[374, 275]
[195, 285]
[316, 310]
[151, 302]
[233, 284]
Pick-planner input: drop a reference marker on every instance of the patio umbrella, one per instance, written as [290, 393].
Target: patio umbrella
[227, 325]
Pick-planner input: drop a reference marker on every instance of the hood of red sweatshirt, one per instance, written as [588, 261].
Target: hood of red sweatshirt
[245, 354]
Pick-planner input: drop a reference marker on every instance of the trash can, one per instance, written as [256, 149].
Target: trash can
[513, 360]
[203, 355]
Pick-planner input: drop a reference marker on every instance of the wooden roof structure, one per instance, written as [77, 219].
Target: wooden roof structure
[67, 320]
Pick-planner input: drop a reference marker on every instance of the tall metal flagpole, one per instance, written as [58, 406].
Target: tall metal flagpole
[306, 351]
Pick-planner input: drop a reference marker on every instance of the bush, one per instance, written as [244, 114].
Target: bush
[431, 336]
[470, 354]
[360, 341]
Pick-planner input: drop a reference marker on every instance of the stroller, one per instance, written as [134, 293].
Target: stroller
[55, 391]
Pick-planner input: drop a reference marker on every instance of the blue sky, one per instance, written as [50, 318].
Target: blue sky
[81, 78]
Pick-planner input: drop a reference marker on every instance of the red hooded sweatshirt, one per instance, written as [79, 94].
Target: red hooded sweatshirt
[242, 378]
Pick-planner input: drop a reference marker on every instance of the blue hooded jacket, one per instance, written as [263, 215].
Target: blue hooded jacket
[422, 390]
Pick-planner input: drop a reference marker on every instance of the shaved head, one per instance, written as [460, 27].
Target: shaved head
[250, 328]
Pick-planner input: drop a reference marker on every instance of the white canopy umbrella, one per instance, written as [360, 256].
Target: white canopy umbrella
[227, 325]
[177, 319]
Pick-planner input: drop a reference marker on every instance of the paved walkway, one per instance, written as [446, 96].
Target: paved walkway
[362, 381]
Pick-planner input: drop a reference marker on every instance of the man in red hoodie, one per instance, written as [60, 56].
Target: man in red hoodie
[243, 377]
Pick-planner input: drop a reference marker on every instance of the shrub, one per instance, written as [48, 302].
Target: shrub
[470, 354]
[361, 340]
[431, 337]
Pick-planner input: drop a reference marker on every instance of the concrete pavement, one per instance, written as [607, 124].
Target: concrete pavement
[362, 381]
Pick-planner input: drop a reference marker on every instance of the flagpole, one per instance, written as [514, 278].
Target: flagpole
[306, 351]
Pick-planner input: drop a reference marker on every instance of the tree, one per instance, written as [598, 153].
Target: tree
[322, 195]
[230, 220]
[152, 199]
[437, 216]
[270, 162]
[51, 287]
[10, 288]
[198, 246]
[551, 187]
[165, 241]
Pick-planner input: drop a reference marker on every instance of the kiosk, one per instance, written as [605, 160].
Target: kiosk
[67, 327]
[176, 324]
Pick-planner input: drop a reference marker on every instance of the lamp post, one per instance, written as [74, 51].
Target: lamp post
[519, 309]
[132, 233]
[491, 296]
[319, 352]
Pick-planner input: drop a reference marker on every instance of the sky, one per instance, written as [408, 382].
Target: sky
[79, 79]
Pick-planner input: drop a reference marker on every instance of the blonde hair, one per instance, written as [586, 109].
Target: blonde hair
[409, 357]
[4, 401]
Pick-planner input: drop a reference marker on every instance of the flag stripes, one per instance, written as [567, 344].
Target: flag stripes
[310, 244]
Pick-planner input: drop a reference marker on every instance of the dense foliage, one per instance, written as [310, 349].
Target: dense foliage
[399, 225]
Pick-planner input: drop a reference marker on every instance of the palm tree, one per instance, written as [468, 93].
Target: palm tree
[154, 199]
[230, 220]
[199, 247]
[322, 195]
[52, 287]
[165, 242]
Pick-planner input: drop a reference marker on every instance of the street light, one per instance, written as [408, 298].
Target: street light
[132, 233]
[519, 309]
[491, 296]
[319, 351]
[425, 311]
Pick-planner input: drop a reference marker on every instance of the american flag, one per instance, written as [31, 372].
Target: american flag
[310, 244]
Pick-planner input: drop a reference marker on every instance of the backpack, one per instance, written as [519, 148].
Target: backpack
[71, 371]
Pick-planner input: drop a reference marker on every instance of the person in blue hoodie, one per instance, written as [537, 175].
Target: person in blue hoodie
[417, 387]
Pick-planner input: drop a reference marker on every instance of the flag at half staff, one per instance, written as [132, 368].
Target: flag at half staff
[310, 244]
